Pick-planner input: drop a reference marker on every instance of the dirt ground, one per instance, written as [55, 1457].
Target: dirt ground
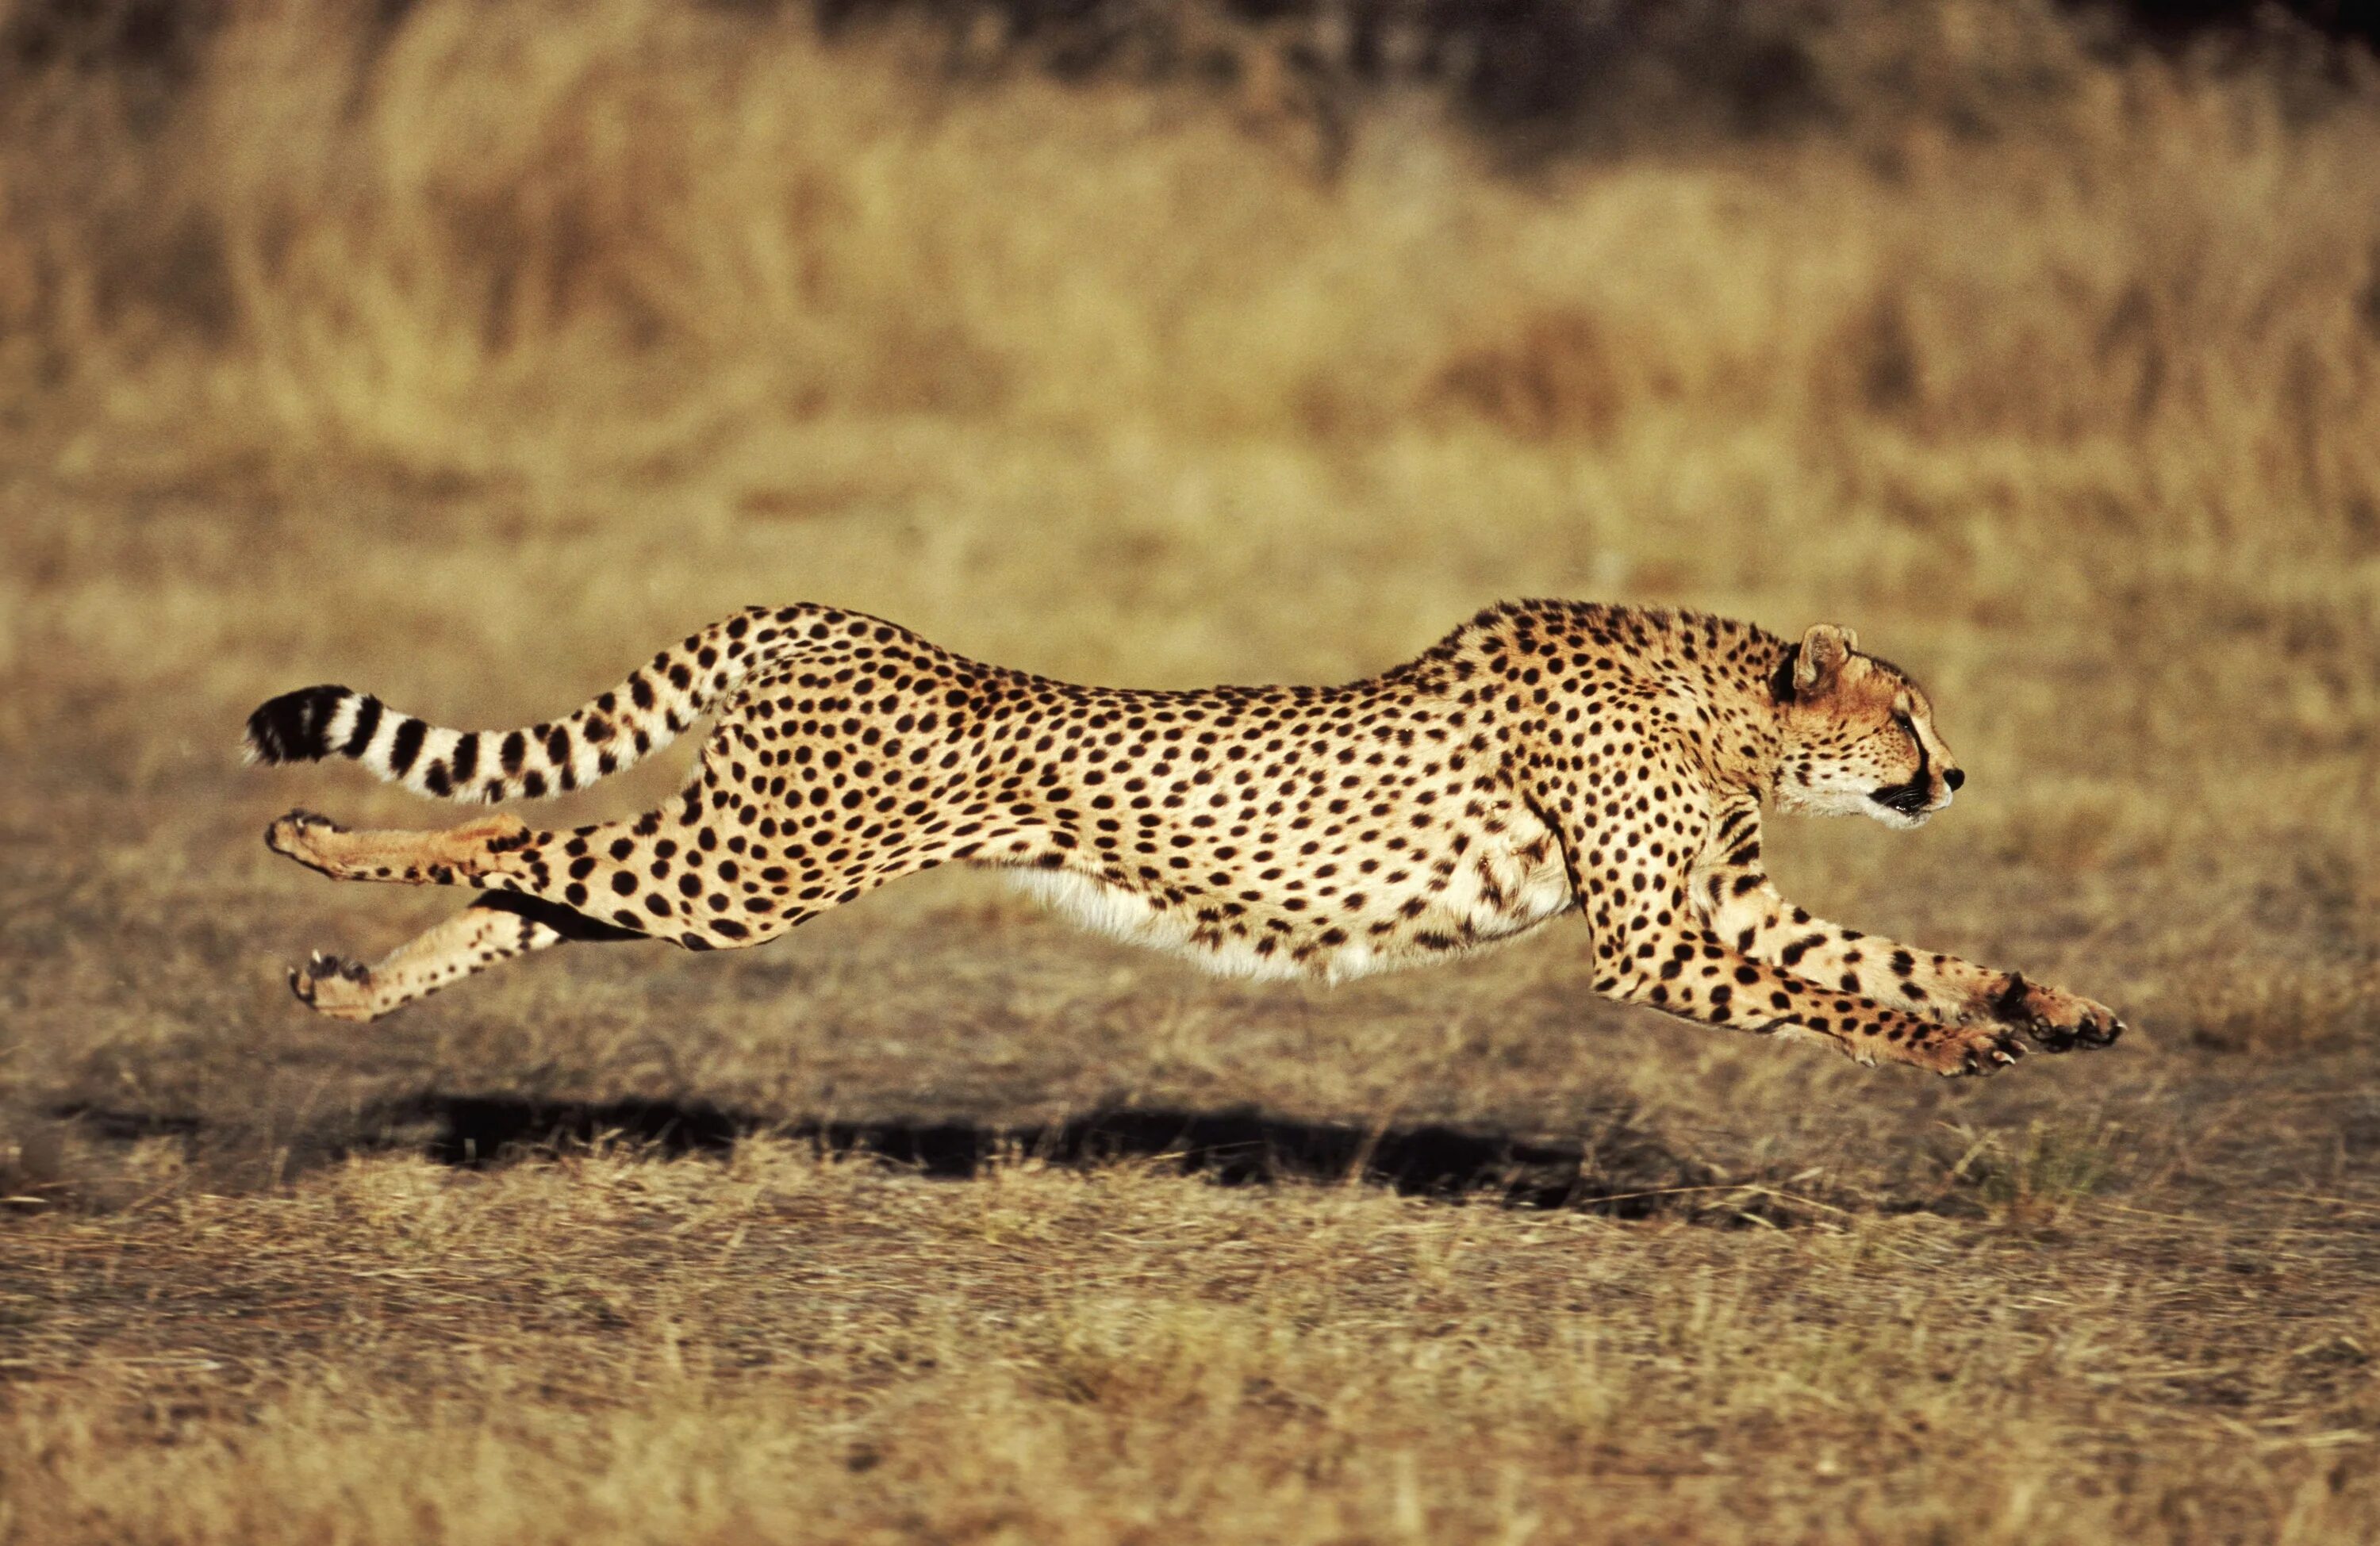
[470, 366]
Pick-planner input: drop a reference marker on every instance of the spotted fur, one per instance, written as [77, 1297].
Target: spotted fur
[1546, 757]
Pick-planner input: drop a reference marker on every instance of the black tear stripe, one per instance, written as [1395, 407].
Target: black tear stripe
[367, 725]
[465, 758]
[407, 746]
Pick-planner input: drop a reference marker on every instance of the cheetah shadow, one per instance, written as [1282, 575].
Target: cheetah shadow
[1621, 1168]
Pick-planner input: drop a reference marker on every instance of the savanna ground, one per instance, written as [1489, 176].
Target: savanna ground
[467, 354]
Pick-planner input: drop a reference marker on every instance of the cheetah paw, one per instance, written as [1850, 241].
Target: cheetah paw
[1972, 1052]
[332, 985]
[298, 835]
[2056, 1020]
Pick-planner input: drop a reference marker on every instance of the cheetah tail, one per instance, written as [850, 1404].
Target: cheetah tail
[618, 729]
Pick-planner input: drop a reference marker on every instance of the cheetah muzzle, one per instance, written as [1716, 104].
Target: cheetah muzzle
[1546, 758]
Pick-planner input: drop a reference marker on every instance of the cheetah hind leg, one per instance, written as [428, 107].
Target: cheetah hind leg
[451, 856]
[495, 929]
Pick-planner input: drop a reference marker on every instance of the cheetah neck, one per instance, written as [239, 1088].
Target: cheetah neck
[1716, 673]
[1743, 741]
[1721, 673]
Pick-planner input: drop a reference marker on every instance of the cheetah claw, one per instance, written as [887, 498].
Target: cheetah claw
[348, 983]
[1970, 1052]
[2001, 1051]
[292, 836]
[296, 821]
[321, 965]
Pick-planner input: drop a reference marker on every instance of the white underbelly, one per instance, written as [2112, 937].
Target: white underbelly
[1499, 894]
[1127, 915]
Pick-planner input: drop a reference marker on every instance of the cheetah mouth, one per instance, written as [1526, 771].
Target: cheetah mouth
[1913, 799]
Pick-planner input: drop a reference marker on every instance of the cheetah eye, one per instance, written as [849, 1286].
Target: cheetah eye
[1908, 725]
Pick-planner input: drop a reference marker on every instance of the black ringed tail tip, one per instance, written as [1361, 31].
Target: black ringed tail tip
[295, 727]
[599, 739]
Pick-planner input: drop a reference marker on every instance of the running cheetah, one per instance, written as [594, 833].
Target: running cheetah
[1545, 757]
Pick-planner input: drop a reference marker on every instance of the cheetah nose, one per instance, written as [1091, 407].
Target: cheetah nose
[1954, 777]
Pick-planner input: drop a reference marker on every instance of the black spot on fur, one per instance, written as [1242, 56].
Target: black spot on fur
[561, 920]
[2008, 1008]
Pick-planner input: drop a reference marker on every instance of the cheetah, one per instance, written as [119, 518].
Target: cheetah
[1546, 757]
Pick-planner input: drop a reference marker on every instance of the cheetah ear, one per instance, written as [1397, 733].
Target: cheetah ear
[1825, 648]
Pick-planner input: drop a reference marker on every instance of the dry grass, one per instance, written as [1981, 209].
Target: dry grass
[467, 357]
[779, 1349]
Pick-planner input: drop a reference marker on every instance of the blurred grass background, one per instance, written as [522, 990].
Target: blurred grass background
[468, 352]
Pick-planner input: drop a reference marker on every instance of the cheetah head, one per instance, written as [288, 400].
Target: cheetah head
[1859, 737]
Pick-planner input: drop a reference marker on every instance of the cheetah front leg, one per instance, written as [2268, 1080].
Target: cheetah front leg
[1735, 897]
[1652, 948]
[1692, 973]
